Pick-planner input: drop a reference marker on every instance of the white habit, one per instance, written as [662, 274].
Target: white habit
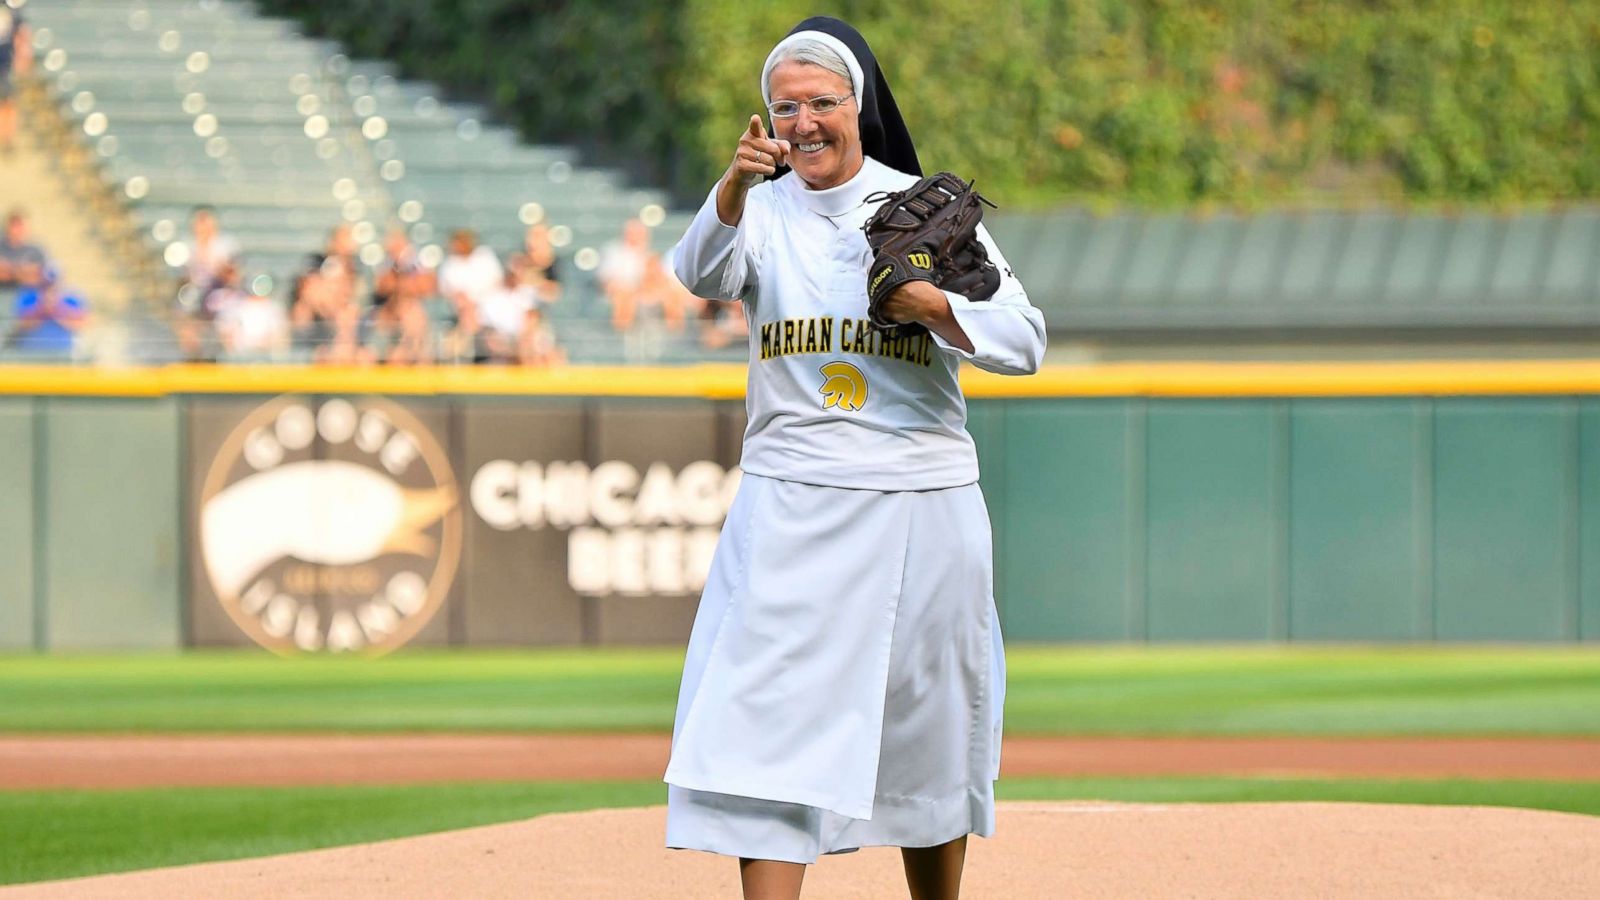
[844, 680]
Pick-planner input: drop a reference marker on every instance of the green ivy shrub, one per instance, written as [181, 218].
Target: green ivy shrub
[1153, 103]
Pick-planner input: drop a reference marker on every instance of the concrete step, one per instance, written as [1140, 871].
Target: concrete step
[30, 182]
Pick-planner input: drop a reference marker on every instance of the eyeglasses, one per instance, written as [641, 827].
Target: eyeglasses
[820, 106]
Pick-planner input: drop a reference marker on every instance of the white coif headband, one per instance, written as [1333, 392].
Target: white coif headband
[828, 40]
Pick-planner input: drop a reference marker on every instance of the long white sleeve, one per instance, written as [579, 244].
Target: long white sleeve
[1007, 332]
[717, 261]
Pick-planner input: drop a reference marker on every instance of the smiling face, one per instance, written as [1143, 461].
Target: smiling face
[825, 151]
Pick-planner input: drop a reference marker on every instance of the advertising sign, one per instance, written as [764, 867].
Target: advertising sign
[321, 523]
[362, 524]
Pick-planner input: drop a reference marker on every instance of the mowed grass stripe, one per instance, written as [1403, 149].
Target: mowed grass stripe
[64, 834]
[1052, 690]
[1575, 797]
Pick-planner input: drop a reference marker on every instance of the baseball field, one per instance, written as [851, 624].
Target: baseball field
[122, 762]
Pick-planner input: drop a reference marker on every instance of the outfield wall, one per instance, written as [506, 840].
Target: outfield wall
[319, 509]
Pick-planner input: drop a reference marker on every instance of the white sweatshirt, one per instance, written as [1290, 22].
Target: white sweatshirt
[829, 401]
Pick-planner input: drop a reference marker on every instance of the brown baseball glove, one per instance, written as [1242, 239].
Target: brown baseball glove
[928, 232]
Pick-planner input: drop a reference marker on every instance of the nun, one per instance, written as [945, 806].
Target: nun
[844, 678]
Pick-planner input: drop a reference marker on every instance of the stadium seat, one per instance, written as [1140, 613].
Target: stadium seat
[1202, 276]
[1572, 276]
[209, 103]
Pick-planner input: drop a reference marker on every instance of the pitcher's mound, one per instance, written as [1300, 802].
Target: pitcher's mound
[1052, 850]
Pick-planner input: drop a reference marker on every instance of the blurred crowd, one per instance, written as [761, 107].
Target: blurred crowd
[464, 303]
[470, 307]
[16, 59]
[648, 303]
[474, 306]
[45, 314]
[468, 304]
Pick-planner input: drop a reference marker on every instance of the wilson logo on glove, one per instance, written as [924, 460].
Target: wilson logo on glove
[921, 260]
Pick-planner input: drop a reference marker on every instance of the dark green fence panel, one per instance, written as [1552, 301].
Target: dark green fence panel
[16, 524]
[986, 423]
[1355, 510]
[1070, 531]
[1505, 486]
[112, 508]
[1589, 531]
[1213, 509]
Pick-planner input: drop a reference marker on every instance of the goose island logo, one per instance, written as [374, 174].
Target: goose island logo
[330, 525]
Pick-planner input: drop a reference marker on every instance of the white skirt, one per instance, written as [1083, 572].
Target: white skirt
[844, 679]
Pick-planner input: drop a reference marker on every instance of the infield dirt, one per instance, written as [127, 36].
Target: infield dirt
[277, 760]
[1080, 850]
[1077, 849]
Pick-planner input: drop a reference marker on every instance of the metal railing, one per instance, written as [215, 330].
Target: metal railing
[149, 340]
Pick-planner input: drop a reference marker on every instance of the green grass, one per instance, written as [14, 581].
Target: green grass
[61, 834]
[1053, 690]
[1575, 797]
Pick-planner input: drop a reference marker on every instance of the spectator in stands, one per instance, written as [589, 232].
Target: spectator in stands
[226, 291]
[16, 59]
[466, 278]
[343, 254]
[251, 327]
[21, 262]
[721, 323]
[398, 323]
[536, 268]
[47, 317]
[502, 318]
[622, 271]
[311, 316]
[646, 301]
[536, 265]
[325, 316]
[537, 346]
[326, 313]
[210, 252]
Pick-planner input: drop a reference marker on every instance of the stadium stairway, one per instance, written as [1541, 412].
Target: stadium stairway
[60, 224]
[189, 102]
[86, 236]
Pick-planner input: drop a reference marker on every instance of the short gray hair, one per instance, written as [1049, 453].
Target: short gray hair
[811, 52]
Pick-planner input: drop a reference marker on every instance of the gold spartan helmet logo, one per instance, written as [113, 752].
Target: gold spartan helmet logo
[843, 386]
